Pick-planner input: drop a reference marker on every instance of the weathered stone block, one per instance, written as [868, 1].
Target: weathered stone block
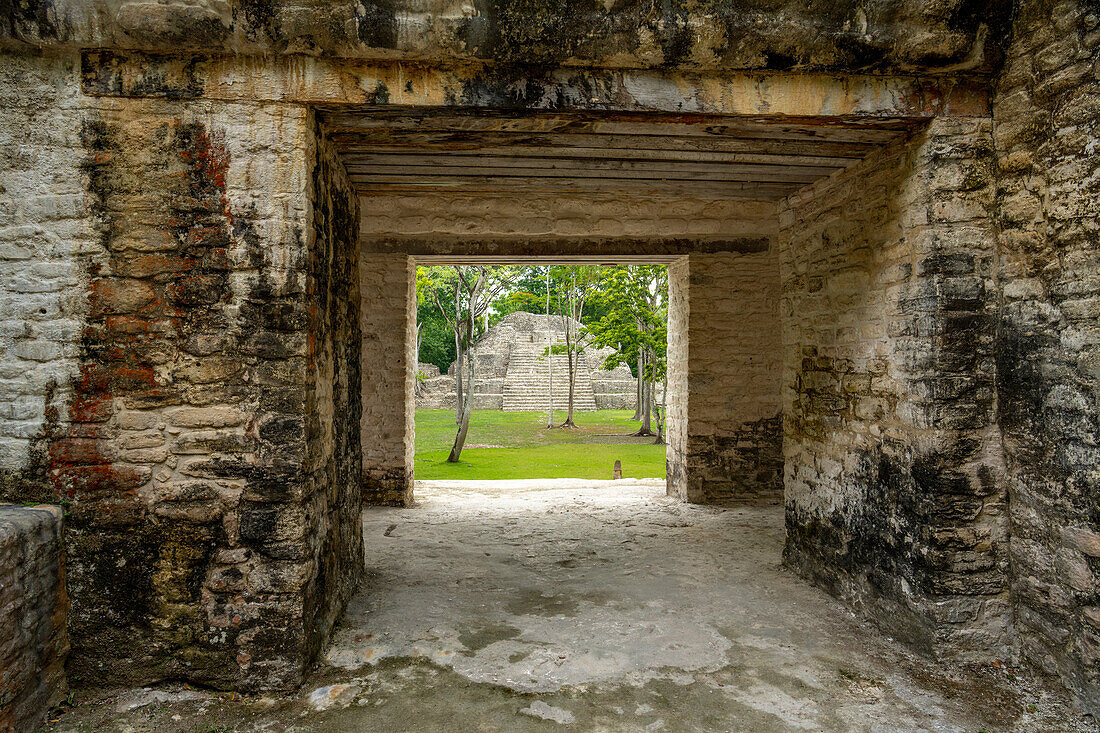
[34, 639]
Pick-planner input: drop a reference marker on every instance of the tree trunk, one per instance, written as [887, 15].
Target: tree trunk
[467, 405]
[460, 355]
[549, 358]
[646, 404]
[638, 397]
[572, 378]
[647, 409]
[662, 412]
[572, 386]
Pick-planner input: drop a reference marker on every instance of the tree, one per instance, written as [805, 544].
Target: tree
[435, 338]
[474, 287]
[441, 285]
[635, 325]
[528, 294]
[571, 287]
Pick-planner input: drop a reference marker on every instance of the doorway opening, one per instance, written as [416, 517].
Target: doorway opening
[535, 371]
[465, 188]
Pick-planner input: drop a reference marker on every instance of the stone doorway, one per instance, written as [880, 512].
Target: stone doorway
[698, 192]
[829, 278]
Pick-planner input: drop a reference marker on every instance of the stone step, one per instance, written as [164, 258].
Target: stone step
[525, 383]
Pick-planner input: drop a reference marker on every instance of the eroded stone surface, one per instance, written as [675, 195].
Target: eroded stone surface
[776, 654]
[197, 416]
[34, 641]
[1047, 133]
[752, 34]
[894, 479]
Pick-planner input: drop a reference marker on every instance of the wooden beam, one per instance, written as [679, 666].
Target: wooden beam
[726, 128]
[495, 163]
[528, 155]
[484, 185]
[508, 249]
[508, 143]
[611, 170]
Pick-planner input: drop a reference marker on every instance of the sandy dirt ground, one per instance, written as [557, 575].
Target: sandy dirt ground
[595, 606]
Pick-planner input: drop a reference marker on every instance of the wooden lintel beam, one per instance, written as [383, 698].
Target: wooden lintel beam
[752, 191]
[507, 143]
[562, 161]
[740, 174]
[517, 248]
[716, 129]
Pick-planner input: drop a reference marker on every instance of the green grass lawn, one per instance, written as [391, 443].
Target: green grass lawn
[517, 445]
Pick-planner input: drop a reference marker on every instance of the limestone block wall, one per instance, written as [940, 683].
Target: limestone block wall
[333, 422]
[46, 229]
[33, 603]
[724, 331]
[199, 342]
[1046, 128]
[388, 289]
[677, 394]
[614, 389]
[894, 482]
[564, 215]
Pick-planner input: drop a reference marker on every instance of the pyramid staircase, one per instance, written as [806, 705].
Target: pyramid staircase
[526, 379]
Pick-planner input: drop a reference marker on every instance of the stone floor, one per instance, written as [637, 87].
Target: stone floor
[597, 606]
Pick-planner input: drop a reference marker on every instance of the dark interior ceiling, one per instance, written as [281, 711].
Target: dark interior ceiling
[756, 158]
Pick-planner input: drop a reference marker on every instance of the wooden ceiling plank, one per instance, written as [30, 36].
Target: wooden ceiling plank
[391, 174]
[426, 164]
[505, 142]
[749, 192]
[727, 127]
[531, 155]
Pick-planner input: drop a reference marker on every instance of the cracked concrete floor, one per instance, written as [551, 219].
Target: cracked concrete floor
[507, 606]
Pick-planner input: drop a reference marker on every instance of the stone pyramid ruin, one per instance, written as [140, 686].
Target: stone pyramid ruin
[513, 368]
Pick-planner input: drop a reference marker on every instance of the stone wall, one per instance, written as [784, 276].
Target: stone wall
[564, 215]
[677, 388]
[388, 288]
[33, 604]
[734, 34]
[45, 232]
[1047, 127]
[724, 342]
[184, 296]
[333, 422]
[894, 482]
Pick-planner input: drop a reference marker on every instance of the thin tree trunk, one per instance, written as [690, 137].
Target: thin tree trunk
[549, 357]
[647, 399]
[572, 383]
[468, 401]
[464, 421]
[638, 398]
[647, 424]
[572, 377]
[460, 354]
[662, 412]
